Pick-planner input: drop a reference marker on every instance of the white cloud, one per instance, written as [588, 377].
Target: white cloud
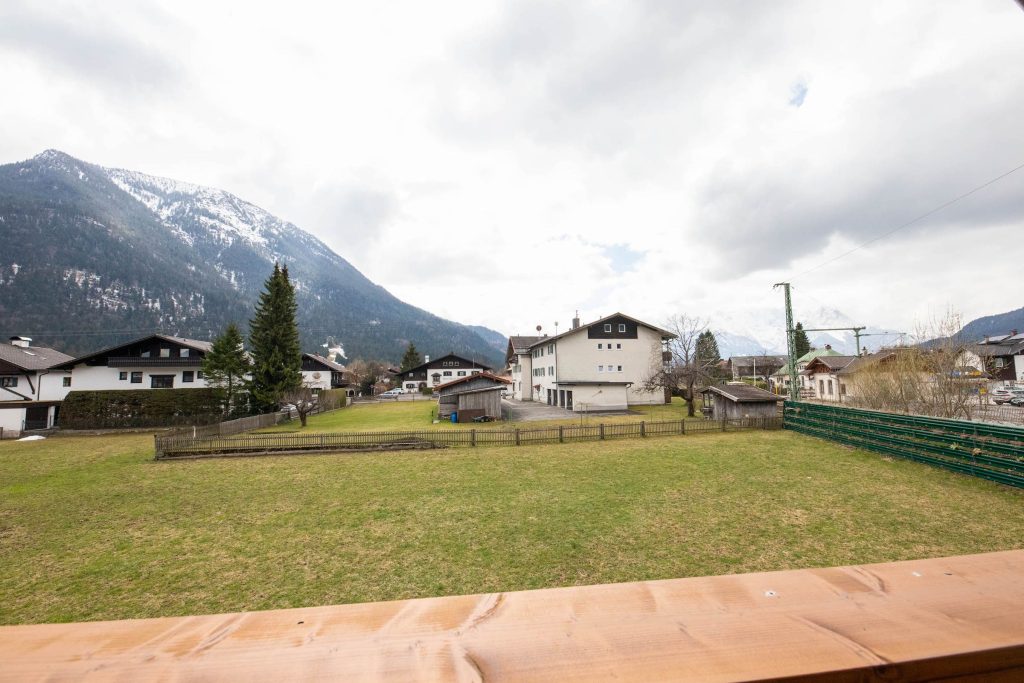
[494, 161]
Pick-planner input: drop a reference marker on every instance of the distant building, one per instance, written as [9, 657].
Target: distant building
[754, 367]
[433, 373]
[733, 401]
[320, 373]
[31, 387]
[602, 365]
[471, 397]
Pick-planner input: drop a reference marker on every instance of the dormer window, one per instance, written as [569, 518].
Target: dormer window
[607, 327]
[183, 353]
[144, 354]
[622, 327]
[165, 353]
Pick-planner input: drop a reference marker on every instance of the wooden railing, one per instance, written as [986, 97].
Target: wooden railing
[201, 445]
[955, 618]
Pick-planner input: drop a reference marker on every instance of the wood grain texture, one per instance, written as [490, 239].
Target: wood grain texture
[956, 618]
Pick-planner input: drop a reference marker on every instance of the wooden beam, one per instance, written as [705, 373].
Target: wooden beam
[958, 617]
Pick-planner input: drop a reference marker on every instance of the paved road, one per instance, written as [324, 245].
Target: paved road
[532, 411]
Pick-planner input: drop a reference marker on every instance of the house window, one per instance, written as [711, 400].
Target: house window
[600, 368]
[136, 378]
[66, 381]
[821, 387]
[620, 368]
[447, 373]
[622, 327]
[410, 385]
[607, 327]
[618, 346]
[183, 353]
[199, 374]
[600, 346]
[8, 381]
[165, 353]
[187, 376]
[122, 375]
[161, 381]
[842, 389]
[1000, 362]
[830, 387]
[461, 373]
[475, 372]
[551, 348]
[144, 354]
[551, 370]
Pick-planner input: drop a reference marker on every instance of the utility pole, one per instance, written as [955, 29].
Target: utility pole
[856, 332]
[794, 393]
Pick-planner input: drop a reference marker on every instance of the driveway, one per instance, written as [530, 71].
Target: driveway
[533, 411]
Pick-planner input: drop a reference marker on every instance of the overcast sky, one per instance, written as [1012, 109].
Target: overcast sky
[506, 163]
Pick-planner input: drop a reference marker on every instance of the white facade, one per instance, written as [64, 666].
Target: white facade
[441, 371]
[601, 366]
[103, 378]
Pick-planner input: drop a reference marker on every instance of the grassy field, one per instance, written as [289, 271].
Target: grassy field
[93, 528]
[419, 415]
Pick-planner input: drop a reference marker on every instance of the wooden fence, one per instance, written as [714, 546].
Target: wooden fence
[179, 445]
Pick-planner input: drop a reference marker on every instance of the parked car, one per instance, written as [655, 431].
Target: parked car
[391, 393]
[1005, 395]
[1017, 401]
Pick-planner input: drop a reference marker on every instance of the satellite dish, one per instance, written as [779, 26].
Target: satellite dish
[538, 328]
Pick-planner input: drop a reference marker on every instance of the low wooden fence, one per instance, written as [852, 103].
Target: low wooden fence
[200, 445]
[993, 452]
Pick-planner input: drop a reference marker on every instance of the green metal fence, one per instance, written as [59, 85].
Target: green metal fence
[988, 451]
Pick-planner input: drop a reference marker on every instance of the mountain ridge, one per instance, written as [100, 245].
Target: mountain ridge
[98, 255]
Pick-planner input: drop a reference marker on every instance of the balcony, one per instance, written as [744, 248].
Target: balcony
[138, 362]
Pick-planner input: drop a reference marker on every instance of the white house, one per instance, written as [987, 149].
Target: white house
[320, 373]
[821, 377]
[155, 361]
[31, 388]
[433, 373]
[594, 367]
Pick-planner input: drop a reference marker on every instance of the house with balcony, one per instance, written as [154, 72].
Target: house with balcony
[320, 373]
[31, 386]
[599, 366]
[433, 373]
[156, 361]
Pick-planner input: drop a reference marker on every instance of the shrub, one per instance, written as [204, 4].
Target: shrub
[139, 408]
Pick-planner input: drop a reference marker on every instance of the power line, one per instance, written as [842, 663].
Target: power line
[910, 222]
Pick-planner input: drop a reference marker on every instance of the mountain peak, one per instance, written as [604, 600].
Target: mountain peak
[53, 155]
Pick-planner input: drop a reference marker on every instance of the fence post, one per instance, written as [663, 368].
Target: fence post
[602, 431]
[682, 426]
[643, 429]
[724, 422]
[517, 436]
[472, 437]
[561, 438]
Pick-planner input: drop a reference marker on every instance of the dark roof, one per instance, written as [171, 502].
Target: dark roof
[32, 357]
[479, 375]
[327, 363]
[522, 344]
[831, 362]
[583, 328]
[195, 344]
[436, 361]
[743, 393]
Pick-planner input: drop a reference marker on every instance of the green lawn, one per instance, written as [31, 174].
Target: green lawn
[419, 415]
[93, 528]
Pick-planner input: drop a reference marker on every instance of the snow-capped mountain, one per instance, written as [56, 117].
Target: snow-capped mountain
[95, 255]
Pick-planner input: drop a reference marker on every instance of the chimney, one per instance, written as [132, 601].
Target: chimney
[426, 359]
[23, 342]
[828, 347]
[576, 321]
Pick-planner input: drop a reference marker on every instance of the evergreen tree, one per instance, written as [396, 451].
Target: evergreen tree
[412, 358]
[274, 337]
[225, 367]
[707, 349]
[802, 343]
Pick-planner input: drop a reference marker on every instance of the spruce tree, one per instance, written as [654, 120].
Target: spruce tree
[707, 349]
[411, 359]
[225, 367]
[274, 337]
[802, 343]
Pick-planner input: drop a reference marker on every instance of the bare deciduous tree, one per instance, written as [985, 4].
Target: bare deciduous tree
[684, 372]
[303, 399]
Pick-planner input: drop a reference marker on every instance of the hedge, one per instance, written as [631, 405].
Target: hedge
[139, 408]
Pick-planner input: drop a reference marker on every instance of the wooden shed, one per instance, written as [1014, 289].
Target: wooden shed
[471, 397]
[733, 401]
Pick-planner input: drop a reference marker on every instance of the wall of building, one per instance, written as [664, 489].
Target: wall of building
[97, 378]
[11, 419]
[590, 397]
[640, 358]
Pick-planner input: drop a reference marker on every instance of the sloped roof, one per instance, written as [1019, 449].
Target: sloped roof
[523, 343]
[33, 357]
[743, 393]
[437, 361]
[815, 353]
[833, 363]
[325, 362]
[467, 378]
[196, 344]
[582, 328]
